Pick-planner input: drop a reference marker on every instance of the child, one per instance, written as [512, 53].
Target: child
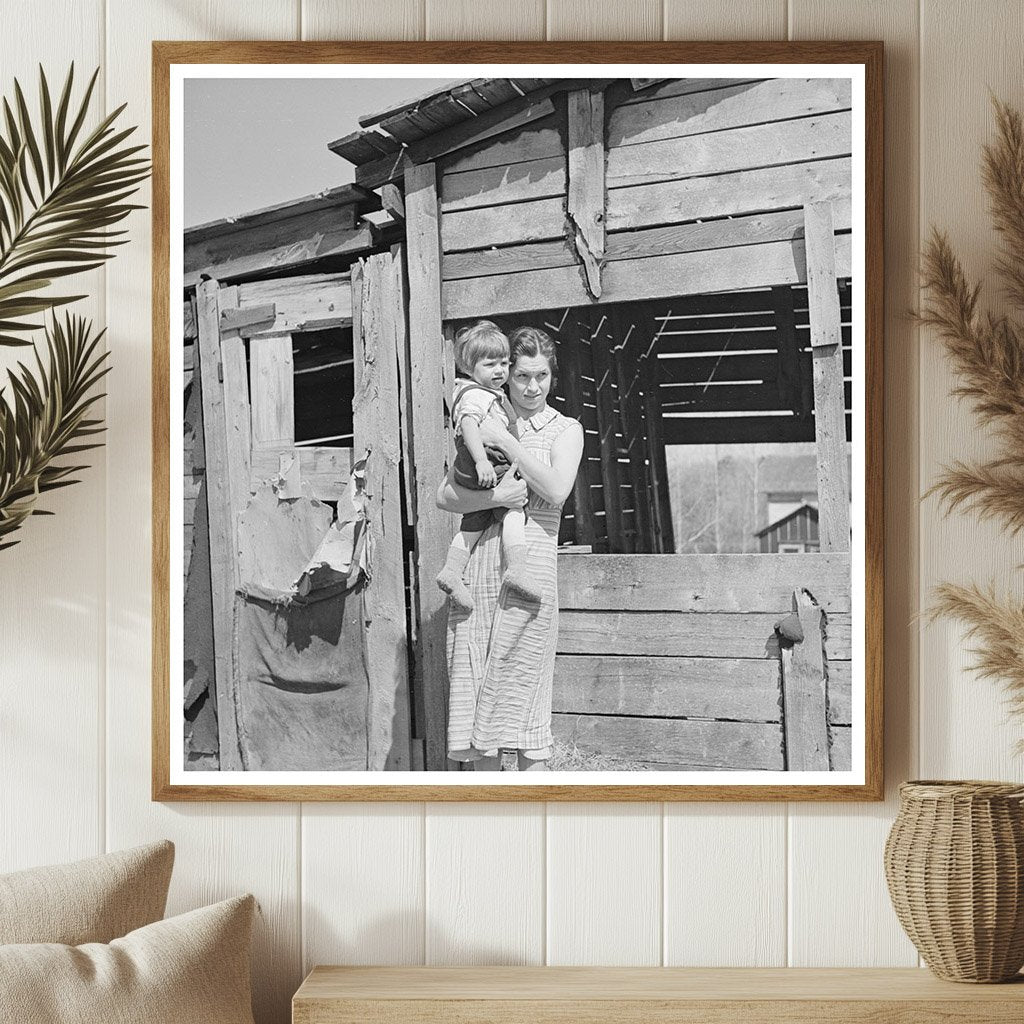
[482, 356]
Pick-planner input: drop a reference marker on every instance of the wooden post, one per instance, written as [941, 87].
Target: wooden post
[805, 714]
[585, 201]
[794, 387]
[607, 421]
[226, 439]
[272, 390]
[571, 386]
[626, 338]
[434, 528]
[377, 313]
[650, 375]
[829, 393]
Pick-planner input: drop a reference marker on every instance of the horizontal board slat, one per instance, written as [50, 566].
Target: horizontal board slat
[731, 106]
[655, 277]
[740, 429]
[503, 225]
[840, 755]
[838, 636]
[498, 186]
[840, 698]
[728, 195]
[675, 741]
[701, 583]
[679, 634]
[300, 303]
[738, 149]
[326, 470]
[628, 245]
[536, 141]
[734, 688]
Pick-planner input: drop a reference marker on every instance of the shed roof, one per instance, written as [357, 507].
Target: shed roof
[804, 511]
[377, 149]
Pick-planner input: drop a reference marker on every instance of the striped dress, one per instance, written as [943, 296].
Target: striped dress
[501, 655]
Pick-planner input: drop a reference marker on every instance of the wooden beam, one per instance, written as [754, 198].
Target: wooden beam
[805, 724]
[585, 208]
[434, 528]
[742, 689]
[629, 245]
[655, 277]
[728, 195]
[238, 255]
[571, 385]
[223, 402]
[730, 583]
[793, 385]
[272, 391]
[650, 377]
[626, 338]
[392, 201]
[308, 302]
[722, 152]
[376, 428]
[829, 394]
[503, 119]
[607, 424]
[236, 319]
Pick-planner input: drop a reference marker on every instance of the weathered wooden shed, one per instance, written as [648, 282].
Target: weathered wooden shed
[269, 386]
[687, 243]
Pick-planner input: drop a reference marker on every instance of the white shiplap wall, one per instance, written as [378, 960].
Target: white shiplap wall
[743, 884]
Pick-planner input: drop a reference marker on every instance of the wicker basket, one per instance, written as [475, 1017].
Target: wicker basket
[954, 861]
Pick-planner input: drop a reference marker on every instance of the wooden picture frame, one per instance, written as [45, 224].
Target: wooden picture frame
[407, 282]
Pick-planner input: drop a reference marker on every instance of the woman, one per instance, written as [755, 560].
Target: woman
[501, 655]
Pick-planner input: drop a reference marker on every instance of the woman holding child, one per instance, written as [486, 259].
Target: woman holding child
[516, 455]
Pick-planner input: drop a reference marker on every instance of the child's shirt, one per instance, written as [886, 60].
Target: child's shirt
[478, 402]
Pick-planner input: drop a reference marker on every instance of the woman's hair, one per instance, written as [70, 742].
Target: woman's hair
[482, 340]
[532, 341]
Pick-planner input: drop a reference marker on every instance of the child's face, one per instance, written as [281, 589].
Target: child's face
[491, 371]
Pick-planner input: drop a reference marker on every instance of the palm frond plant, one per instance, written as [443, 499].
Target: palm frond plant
[63, 190]
[987, 354]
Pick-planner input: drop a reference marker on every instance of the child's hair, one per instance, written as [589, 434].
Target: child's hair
[483, 340]
[532, 341]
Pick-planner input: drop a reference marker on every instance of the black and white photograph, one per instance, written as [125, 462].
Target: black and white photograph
[521, 421]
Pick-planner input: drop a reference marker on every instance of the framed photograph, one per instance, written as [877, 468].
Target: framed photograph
[517, 420]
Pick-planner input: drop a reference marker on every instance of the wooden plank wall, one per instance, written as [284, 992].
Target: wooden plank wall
[698, 686]
[678, 154]
[736, 884]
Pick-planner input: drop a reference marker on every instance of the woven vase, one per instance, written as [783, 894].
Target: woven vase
[954, 861]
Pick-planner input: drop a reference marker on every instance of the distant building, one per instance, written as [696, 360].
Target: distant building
[793, 534]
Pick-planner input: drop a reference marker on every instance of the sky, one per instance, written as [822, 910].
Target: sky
[251, 143]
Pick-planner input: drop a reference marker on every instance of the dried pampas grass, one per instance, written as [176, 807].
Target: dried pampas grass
[987, 354]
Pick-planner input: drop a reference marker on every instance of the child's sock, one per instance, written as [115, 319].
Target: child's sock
[449, 579]
[518, 577]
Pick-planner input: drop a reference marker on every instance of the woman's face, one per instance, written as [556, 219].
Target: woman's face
[529, 384]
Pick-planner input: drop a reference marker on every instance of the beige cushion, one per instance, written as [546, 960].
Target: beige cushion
[92, 900]
[191, 969]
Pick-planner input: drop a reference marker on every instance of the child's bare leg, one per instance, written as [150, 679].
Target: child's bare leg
[527, 764]
[488, 764]
[513, 540]
[449, 579]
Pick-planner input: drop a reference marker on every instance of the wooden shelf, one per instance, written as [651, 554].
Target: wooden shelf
[624, 995]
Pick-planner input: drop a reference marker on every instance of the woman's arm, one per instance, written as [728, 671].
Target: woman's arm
[552, 483]
[510, 492]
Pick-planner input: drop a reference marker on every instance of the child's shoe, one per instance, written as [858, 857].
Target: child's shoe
[457, 591]
[449, 579]
[517, 576]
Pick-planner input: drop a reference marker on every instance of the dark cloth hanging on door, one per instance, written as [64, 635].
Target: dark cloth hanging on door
[301, 680]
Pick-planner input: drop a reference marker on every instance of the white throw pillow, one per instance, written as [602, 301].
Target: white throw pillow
[190, 969]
